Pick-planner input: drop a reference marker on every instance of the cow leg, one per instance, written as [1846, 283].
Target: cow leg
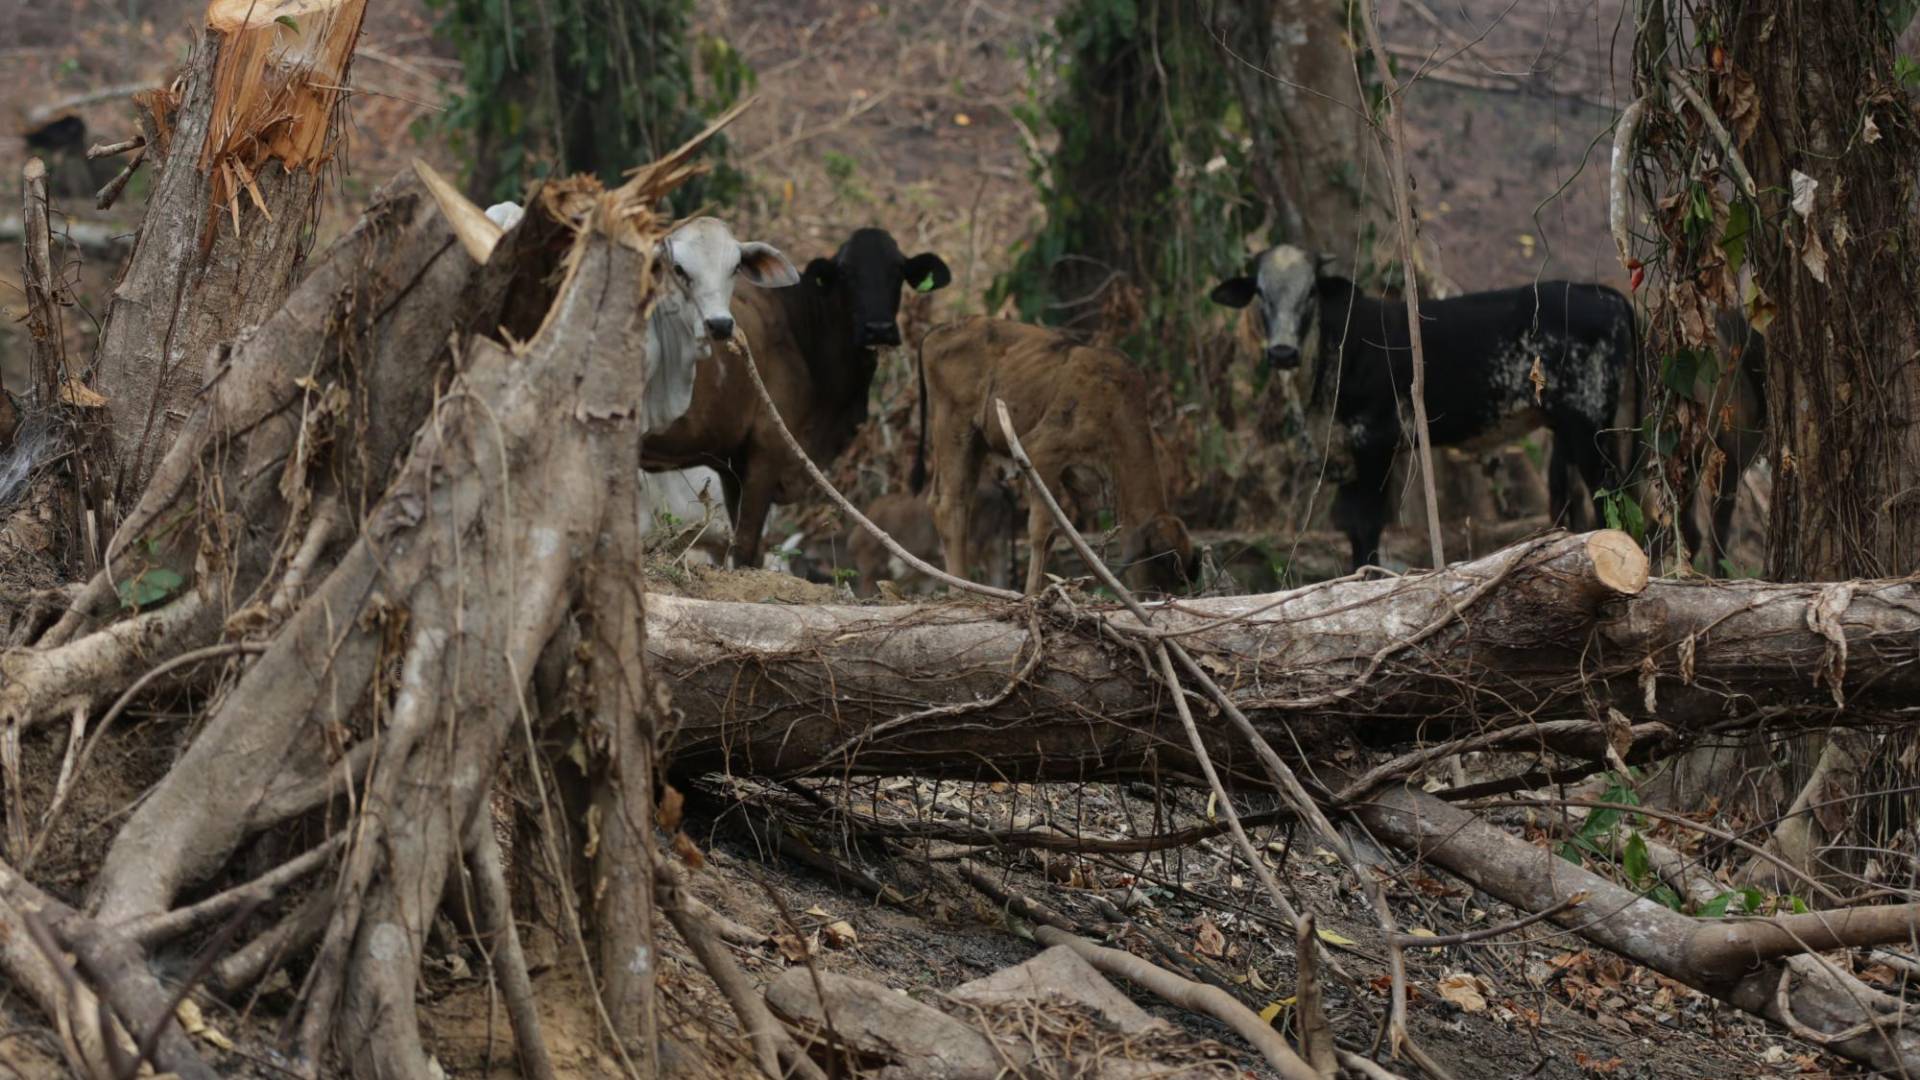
[1559, 512]
[1725, 494]
[1589, 454]
[1360, 507]
[1040, 531]
[750, 519]
[956, 473]
[730, 490]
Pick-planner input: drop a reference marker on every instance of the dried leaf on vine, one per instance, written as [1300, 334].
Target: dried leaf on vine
[1813, 255]
[1738, 103]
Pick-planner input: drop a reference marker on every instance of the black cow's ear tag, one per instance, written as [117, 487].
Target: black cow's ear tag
[926, 284]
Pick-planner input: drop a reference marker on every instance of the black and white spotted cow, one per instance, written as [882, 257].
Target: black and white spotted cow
[1498, 364]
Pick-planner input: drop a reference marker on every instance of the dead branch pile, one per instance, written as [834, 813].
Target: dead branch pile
[386, 561]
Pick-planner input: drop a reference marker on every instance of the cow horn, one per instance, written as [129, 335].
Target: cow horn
[477, 232]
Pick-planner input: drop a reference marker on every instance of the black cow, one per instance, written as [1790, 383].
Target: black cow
[815, 346]
[1498, 364]
[1737, 409]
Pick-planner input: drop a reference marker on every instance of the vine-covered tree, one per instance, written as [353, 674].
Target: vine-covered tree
[585, 86]
[1783, 138]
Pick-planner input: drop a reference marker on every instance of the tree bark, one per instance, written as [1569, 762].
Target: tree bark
[1565, 628]
[239, 156]
[1842, 385]
[1314, 161]
[1834, 155]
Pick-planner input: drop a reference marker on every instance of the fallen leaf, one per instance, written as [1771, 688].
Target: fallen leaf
[793, 947]
[841, 935]
[1274, 1009]
[1803, 188]
[689, 852]
[79, 395]
[1539, 380]
[1464, 990]
[1421, 931]
[1332, 938]
[195, 1024]
[1596, 1065]
[1880, 974]
[672, 806]
[819, 912]
[1870, 132]
[1208, 940]
[961, 119]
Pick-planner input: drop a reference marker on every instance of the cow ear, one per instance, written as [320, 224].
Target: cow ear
[926, 272]
[1235, 292]
[822, 273]
[765, 266]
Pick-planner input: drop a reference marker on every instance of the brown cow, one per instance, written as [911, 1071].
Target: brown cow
[1079, 413]
[814, 344]
[908, 519]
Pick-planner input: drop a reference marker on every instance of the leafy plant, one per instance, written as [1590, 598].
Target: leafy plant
[1622, 512]
[148, 587]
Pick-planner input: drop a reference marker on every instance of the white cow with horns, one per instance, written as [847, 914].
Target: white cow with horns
[694, 312]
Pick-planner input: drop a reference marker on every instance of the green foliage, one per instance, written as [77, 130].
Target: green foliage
[1907, 70]
[1622, 512]
[594, 86]
[1144, 187]
[1634, 865]
[148, 587]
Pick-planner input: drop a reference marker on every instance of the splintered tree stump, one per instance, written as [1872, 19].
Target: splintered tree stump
[240, 145]
[1563, 629]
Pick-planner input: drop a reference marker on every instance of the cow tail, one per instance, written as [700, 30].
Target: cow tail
[917, 482]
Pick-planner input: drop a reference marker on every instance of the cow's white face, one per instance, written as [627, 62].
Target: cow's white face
[704, 258]
[1285, 282]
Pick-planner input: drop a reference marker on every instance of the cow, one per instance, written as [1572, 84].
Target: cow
[908, 519]
[696, 307]
[1080, 414]
[1497, 364]
[816, 348]
[680, 510]
[1737, 409]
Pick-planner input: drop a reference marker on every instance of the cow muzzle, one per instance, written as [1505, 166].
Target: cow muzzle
[721, 327]
[1283, 357]
[875, 334]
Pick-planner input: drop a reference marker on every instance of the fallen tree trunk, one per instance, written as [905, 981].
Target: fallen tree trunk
[1562, 629]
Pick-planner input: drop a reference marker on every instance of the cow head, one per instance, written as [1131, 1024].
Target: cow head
[704, 258]
[1285, 279]
[871, 270]
[1159, 555]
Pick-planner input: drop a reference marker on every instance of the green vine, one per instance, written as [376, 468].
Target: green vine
[597, 86]
[1144, 193]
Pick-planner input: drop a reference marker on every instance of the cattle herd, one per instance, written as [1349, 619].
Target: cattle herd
[1551, 354]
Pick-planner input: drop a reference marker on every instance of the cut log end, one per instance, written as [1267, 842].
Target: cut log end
[34, 169]
[1618, 562]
